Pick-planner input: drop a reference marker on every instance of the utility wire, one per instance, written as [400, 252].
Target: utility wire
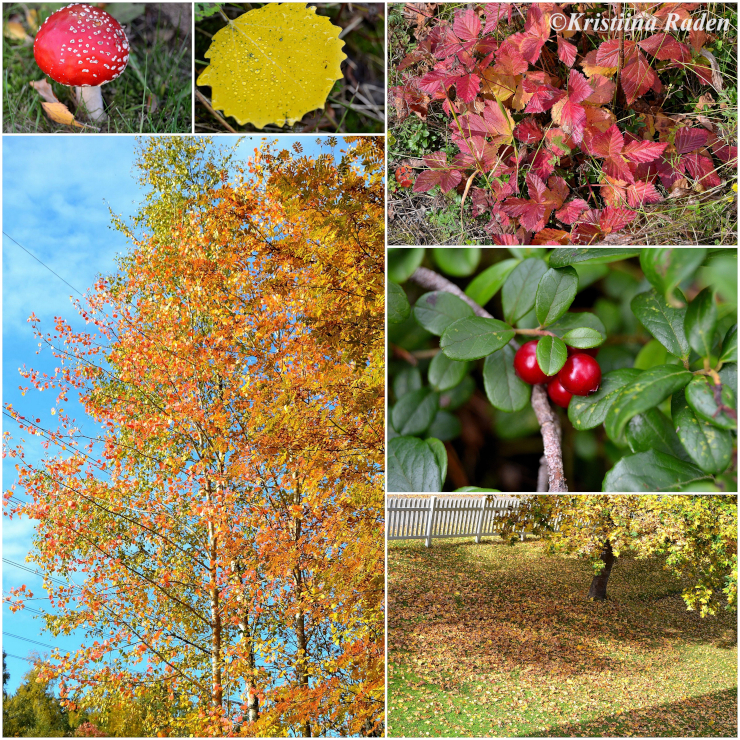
[5, 233]
[28, 639]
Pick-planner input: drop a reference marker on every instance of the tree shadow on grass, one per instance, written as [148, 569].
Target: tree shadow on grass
[708, 715]
[473, 610]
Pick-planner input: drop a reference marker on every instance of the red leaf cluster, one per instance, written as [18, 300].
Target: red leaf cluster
[535, 107]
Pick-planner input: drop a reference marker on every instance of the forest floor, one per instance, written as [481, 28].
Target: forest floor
[491, 640]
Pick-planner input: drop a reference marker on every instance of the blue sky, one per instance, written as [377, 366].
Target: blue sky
[57, 195]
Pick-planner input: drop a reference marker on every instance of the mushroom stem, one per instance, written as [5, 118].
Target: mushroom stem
[92, 100]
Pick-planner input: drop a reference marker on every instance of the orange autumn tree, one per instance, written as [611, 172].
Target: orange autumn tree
[219, 534]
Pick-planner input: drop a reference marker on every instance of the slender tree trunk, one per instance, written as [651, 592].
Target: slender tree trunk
[300, 619]
[598, 585]
[253, 704]
[217, 695]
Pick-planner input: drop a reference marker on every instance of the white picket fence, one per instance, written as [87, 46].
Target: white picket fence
[424, 518]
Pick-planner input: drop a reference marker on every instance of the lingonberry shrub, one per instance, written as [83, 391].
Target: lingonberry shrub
[564, 136]
[480, 340]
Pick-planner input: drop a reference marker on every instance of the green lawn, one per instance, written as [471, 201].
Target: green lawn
[493, 640]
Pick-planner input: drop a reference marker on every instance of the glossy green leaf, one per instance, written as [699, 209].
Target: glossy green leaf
[583, 338]
[444, 373]
[645, 392]
[594, 255]
[651, 471]
[555, 292]
[520, 288]
[505, 390]
[653, 430]
[437, 310]
[473, 489]
[701, 322]
[458, 261]
[458, 395]
[412, 467]
[523, 252]
[398, 305]
[551, 354]
[571, 321]
[729, 346]
[471, 339]
[402, 261]
[440, 455]
[446, 426]
[588, 412]
[409, 379]
[728, 375]
[589, 272]
[709, 447]
[652, 354]
[484, 286]
[665, 323]
[714, 403]
[666, 268]
[415, 411]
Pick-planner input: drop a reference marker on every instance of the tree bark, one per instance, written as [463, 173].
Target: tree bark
[597, 592]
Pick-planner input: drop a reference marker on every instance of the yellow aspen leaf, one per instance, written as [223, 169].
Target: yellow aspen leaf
[273, 64]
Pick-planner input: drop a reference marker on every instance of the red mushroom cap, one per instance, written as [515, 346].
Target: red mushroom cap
[82, 46]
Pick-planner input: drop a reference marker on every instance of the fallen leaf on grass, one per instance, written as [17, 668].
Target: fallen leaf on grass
[43, 88]
[58, 112]
[14, 30]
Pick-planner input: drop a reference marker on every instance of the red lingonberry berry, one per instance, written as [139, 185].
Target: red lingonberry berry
[525, 364]
[580, 375]
[557, 393]
[593, 351]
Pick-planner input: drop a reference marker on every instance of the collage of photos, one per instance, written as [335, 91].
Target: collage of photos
[369, 369]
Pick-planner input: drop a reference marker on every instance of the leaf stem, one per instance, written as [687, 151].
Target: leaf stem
[536, 332]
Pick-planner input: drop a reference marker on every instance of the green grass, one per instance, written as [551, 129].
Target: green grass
[356, 103]
[494, 641]
[153, 95]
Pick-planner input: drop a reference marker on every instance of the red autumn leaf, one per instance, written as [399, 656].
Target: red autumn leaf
[607, 54]
[594, 225]
[543, 163]
[505, 240]
[568, 112]
[403, 177]
[466, 25]
[551, 236]
[534, 213]
[618, 156]
[570, 212]
[509, 60]
[439, 173]
[702, 170]
[467, 87]
[690, 139]
[496, 123]
[615, 219]
[603, 90]
[638, 77]
[617, 192]
[566, 52]
[543, 96]
[558, 142]
[477, 153]
[528, 131]
[663, 46]
[724, 152]
[494, 13]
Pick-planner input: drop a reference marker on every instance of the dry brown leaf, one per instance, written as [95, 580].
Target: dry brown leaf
[43, 88]
[59, 113]
[14, 30]
[705, 101]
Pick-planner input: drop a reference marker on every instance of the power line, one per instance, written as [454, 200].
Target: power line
[5, 233]
[28, 639]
